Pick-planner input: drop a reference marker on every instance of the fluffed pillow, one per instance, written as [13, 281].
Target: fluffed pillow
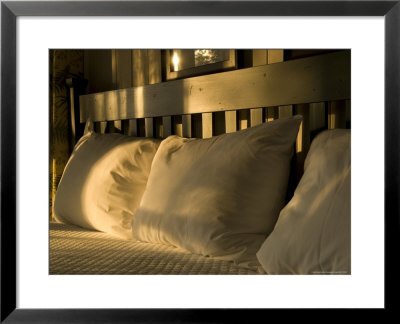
[220, 196]
[103, 182]
[312, 234]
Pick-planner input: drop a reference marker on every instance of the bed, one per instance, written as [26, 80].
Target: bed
[305, 97]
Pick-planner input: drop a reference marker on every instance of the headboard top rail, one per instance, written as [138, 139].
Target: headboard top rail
[314, 79]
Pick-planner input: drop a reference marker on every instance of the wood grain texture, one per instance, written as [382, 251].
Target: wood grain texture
[275, 56]
[154, 63]
[230, 121]
[140, 71]
[103, 127]
[149, 127]
[207, 125]
[314, 79]
[122, 65]
[318, 114]
[187, 126]
[260, 57]
[285, 111]
[256, 116]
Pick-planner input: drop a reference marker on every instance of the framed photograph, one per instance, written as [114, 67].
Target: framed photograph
[152, 299]
[183, 63]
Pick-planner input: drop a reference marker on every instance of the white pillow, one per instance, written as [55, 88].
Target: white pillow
[220, 196]
[103, 182]
[312, 234]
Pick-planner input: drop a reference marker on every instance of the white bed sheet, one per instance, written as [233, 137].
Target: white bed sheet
[74, 250]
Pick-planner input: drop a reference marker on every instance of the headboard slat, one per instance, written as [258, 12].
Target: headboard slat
[101, 127]
[167, 126]
[207, 125]
[303, 138]
[285, 111]
[271, 114]
[230, 121]
[187, 126]
[256, 116]
[149, 127]
[243, 119]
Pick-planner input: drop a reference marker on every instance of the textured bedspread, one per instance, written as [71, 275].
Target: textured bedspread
[74, 250]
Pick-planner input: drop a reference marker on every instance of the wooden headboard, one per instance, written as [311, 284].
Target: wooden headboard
[316, 87]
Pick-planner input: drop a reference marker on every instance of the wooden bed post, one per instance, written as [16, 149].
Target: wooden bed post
[76, 87]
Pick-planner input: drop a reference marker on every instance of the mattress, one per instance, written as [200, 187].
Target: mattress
[74, 250]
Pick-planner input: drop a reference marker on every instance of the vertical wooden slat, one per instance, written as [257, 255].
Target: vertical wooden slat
[111, 128]
[275, 56]
[154, 61]
[72, 116]
[98, 66]
[187, 126]
[140, 71]
[337, 114]
[123, 67]
[114, 68]
[285, 111]
[317, 116]
[256, 116]
[167, 126]
[103, 127]
[303, 138]
[230, 121]
[271, 114]
[114, 126]
[177, 125]
[158, 127]
[243, 119]
[260, 57]
[117, 126]
[207, 125]
[149, 127]
[130, 127]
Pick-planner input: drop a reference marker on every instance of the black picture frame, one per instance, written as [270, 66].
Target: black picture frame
[10, 10]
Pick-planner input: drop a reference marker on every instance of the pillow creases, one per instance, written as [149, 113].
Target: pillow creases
[220, 196]
[103, 182]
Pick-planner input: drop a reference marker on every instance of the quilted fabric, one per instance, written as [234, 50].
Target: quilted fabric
[74, 250]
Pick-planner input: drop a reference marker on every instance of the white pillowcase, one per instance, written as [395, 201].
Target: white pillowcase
[103, 182]
[312, 234]
[220, 196]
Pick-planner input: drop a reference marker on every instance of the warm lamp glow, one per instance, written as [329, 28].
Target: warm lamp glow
[175, 61]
